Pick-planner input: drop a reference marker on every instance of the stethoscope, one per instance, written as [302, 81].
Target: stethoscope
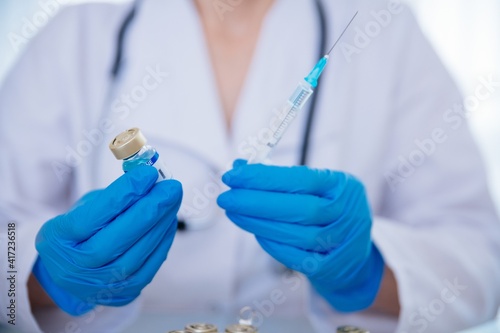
[304, 149]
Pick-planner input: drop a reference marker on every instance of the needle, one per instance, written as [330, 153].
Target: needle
[342, 34]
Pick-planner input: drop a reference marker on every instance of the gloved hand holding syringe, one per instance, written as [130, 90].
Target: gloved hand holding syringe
[297, 213]
[296, 103]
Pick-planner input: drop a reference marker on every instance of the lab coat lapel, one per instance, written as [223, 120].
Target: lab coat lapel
[174, 44]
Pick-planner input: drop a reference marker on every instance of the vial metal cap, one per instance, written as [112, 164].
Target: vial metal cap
[241, 329]
[351, 329]
[127, 143]
[201, 328]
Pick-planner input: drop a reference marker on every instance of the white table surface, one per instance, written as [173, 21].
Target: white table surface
[153, 323]
[157, 323]
[161, 323]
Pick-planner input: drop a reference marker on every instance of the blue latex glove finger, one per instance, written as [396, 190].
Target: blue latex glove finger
[309, 238]
[126, 229]
[286, 207]
[133, 259]
[295, 179]
[342, 285]
[145, 275]
[131, 287]
[304, 261]
[310, 262]
[107, 204]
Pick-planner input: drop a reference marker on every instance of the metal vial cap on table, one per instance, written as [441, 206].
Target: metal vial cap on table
[127, 143]
[351, 329]
[238, 328]
[201, 328]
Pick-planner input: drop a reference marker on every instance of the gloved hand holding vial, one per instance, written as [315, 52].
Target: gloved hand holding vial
[127, 227]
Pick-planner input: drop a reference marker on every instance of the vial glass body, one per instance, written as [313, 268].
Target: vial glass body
[147, 155]
[130, 146]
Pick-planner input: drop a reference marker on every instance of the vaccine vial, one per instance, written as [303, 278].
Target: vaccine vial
[238, 328]
[209, 328]
[130, 146]
[201, 328]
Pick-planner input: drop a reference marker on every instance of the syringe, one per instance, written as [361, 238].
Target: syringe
[295, 103]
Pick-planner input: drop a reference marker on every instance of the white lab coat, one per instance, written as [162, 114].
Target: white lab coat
[436, 227]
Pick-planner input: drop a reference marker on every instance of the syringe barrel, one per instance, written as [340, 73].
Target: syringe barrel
[301, 95]
[286, 115]
[294, 104]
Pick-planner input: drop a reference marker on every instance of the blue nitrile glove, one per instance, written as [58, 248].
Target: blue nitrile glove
[110, 245]
[316, 222]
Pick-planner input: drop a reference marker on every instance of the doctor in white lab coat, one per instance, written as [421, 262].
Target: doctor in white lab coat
[201, 80]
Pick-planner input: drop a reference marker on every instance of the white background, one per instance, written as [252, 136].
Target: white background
[465, 33]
